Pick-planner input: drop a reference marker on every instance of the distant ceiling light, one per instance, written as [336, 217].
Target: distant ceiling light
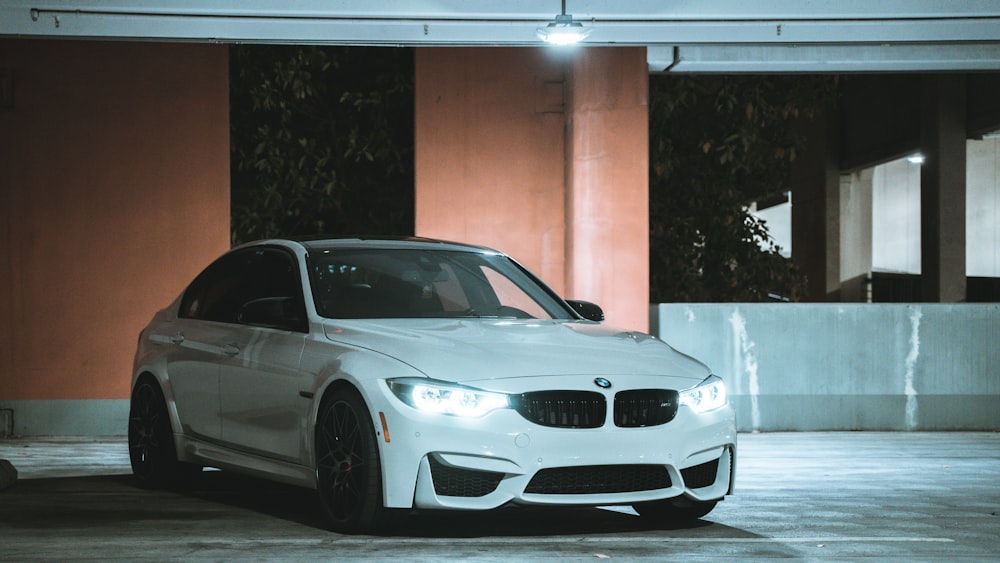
[563, 31]
[916, 159]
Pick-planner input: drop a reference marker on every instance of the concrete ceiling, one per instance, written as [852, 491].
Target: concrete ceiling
[681, 35]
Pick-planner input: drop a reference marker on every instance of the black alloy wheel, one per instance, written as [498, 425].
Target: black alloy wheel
[348, 472]
[151, 439]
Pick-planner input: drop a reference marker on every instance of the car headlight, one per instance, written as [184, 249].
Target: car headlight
[706, 396]
[442, 397]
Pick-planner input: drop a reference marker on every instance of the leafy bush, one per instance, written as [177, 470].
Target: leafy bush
[717, 144]
[322, 141]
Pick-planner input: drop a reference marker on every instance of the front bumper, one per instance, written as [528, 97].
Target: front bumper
[439, 461]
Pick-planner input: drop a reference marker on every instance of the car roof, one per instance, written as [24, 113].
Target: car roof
[321, 243]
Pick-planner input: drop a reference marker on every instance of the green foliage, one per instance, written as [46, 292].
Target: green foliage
[718, 143]
[322, 141]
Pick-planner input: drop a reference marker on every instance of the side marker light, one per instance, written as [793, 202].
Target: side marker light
[385, 427]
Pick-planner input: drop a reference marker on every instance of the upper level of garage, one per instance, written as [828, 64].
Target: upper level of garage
[680, 36]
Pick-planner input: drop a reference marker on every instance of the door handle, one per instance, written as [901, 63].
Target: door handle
[230, 349]
[177, 338]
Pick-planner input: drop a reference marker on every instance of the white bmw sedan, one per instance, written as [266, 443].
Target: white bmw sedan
[394, 374]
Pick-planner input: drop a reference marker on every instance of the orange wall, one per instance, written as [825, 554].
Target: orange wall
[542, 154]
[490, 152]
[114, 192]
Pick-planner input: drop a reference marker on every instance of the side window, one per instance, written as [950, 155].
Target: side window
[210, 295]
[272, 294]
[255, 286]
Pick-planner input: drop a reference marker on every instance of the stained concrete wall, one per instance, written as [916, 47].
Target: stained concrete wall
[114, 192]
[847, 366]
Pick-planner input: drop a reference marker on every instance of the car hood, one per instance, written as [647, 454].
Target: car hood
[469, 350]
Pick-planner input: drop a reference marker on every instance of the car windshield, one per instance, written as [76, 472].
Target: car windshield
[412, 283]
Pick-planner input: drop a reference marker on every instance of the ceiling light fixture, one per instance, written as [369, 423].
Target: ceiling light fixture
[564, 30]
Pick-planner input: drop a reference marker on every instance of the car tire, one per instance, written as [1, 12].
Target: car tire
[675, 512]
[348, 470]
[151, 439]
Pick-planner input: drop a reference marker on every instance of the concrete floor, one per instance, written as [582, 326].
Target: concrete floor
[822, 496]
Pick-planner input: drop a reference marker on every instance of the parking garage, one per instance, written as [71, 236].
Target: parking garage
[88, 190]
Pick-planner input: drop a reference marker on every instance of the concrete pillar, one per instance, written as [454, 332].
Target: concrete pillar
[542, 154]
[942, 188]
[816, 230]
[607, 242]
[982, 204]
[856, 193]
[896, 217]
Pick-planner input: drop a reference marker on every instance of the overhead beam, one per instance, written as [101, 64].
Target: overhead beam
[636, 22]
[681, 36]
[949, 57]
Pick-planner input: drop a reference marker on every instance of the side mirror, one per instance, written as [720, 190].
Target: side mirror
[587, 310]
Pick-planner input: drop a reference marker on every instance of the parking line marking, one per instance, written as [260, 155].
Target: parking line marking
[642, 539]
[860, 539]
[346, 541]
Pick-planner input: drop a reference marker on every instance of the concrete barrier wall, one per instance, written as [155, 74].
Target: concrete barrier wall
[82, 417]
[847, 366]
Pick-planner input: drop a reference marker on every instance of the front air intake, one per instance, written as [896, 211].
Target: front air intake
[599, 479]
[700, 475]
[460, 482]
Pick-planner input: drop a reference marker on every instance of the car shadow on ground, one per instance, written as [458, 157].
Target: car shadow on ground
[301, 506]
[212, 496]
[98, 501]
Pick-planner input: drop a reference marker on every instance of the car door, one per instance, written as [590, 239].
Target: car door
[205, 321]
[260, 406]
[193, 370]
